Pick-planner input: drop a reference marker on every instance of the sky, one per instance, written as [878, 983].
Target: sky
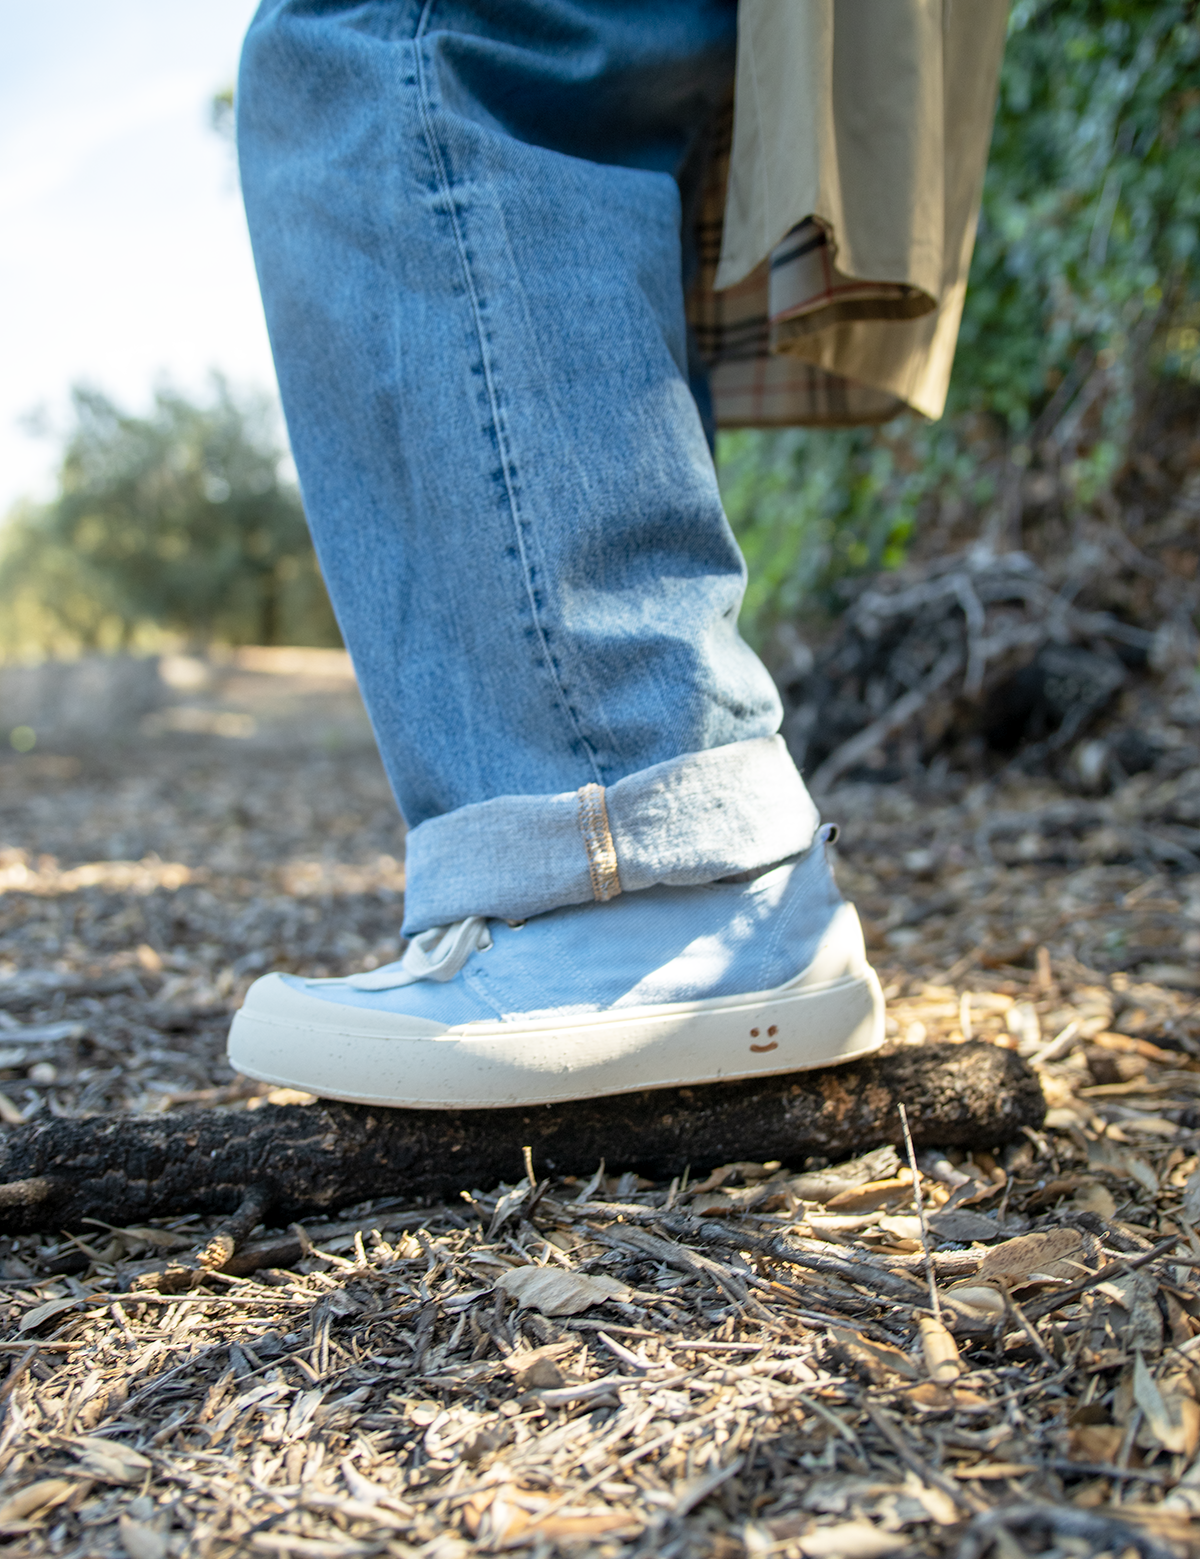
[124, 258]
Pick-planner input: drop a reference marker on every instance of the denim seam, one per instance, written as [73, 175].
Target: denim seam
[440, 171]
[598, 842]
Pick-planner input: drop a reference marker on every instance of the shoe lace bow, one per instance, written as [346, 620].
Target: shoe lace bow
[436, 954]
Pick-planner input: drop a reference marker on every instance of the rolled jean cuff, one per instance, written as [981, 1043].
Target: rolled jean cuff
[689, 821]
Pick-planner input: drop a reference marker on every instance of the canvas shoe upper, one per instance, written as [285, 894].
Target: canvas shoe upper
[652, 989]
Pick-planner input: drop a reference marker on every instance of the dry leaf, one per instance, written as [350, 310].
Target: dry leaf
[1022, 1022]
[1150, 1125]
[876, 1193]
[110, 1462]
[1138, 1169]
[983, 1471]
[9, 1113]
[851, 1540]
[474, 1508]
[1173, 1417]
[508, 1204]
[940, 1350]
[363, 1489]
[695, 1490]
[940, 1399]
[963, 1227]
[1064, 1118]
[879, 1358]
[761, 1193]
[1095, 1442]
[822, 1184]
[141, 1540]
[902, 1228]
[1092, 1197]
[290, 1546]
[553, 1291]
[34, 1497]
[42, 1313]
[536, 1372]
[938, 1506]
[976, 1299]
[301, 1414]
[711, 1204]
[501, 1516]
[162, 1239]
[1105, 1154]
[1191, 1198]
[1053, 1190]
[1145, 1330]
[1031, 1258]
[744, 1171]
[556, 1529]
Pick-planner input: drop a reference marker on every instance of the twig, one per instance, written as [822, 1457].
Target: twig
[15, 1375]
[919, 1200]
[1106, 1534]
[627, 1460]
[312, 1158]
[176, 1275]
[1126, 1451]
[1110, 1470]
[1054, 1049]
[964, 1499]
[862, 1273]
[1027, 1327]
[831, 1418]
[900, 713]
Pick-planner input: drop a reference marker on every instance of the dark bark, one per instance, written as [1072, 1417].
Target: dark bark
[317, 1158]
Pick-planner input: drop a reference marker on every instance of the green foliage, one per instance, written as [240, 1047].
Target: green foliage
[221, 112]
[834, 502]
[813, 507]
[180, 522]
[1084, 282]
[1092, 200]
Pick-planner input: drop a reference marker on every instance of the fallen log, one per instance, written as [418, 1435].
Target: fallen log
[286, 1161]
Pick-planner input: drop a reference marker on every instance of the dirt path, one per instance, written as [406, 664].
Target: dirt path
[731, 1366]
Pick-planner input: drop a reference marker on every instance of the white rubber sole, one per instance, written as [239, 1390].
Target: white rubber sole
[831, 1013]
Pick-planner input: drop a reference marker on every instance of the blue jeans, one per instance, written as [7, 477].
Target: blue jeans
[466, 217]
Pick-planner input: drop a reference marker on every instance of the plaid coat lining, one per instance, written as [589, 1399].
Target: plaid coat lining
[744, 331]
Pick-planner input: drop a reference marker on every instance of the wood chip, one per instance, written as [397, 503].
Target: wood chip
[607, 1371]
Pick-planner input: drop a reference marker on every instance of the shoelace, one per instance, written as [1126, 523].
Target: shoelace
[436, 954]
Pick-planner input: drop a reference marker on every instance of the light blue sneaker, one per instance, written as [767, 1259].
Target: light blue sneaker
[653, 989]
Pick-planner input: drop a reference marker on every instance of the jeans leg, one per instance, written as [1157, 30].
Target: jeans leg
[466, 224]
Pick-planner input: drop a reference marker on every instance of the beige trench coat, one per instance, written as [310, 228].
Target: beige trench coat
[840, 214]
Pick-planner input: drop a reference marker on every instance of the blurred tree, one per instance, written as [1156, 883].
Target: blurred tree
[183, 520]
[220, 113]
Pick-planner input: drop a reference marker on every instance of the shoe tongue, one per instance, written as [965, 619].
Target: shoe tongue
[436, 954]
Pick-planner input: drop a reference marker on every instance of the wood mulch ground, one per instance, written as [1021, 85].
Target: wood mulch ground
[1008, 1364]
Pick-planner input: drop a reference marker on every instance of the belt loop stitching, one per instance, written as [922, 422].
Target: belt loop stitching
[598, 842]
